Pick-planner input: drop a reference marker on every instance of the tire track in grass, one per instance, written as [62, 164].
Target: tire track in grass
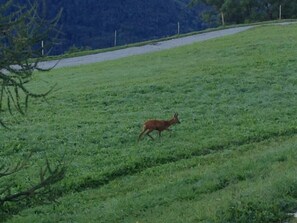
[149, 162]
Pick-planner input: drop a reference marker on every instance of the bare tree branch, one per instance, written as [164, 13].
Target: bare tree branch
[47, 177]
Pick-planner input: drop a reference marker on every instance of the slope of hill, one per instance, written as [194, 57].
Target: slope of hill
[232, 158]
[92, 23]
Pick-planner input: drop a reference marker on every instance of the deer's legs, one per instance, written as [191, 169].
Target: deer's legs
[148, 133]
[141, 134]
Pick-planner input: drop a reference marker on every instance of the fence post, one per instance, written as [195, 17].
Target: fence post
[42, 48]
[223, 18]
[115, 38]
[280, 12]
[178, 28]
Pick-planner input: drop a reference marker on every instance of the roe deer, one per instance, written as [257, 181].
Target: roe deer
[159, 125]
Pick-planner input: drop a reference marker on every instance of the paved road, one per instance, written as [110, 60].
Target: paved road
[112, 55]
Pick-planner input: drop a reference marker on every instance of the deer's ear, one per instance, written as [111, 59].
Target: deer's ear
[175, 114]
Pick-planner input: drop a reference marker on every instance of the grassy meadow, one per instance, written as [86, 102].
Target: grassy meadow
[233, 158]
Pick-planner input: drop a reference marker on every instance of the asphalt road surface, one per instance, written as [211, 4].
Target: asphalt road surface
[162, 45]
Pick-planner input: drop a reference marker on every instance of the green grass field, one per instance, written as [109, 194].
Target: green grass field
[233, 158]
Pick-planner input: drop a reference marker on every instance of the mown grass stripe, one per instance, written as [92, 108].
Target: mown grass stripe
[149, 162]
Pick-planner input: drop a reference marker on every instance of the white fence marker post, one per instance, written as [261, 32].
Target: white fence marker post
[223, 18]
[42, 48]
[115, 38]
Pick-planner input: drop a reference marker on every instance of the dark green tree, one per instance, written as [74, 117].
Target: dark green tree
[241, 11]
[217, 4]
[275, 9]
[22, 28]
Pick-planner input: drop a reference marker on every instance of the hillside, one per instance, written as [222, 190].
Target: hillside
[92, 23]
[232, 158]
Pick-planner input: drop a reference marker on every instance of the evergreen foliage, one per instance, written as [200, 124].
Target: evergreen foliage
[92, 23]
[21, 31]
[242, 11]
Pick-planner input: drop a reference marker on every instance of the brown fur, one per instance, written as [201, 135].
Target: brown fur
[158, 125]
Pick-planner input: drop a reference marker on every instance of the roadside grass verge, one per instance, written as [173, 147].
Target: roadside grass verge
[236, 97]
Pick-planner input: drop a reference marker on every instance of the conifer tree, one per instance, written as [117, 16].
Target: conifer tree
[22, 28]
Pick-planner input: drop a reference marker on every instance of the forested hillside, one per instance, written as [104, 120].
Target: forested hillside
[92, 23]
[245, 11]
